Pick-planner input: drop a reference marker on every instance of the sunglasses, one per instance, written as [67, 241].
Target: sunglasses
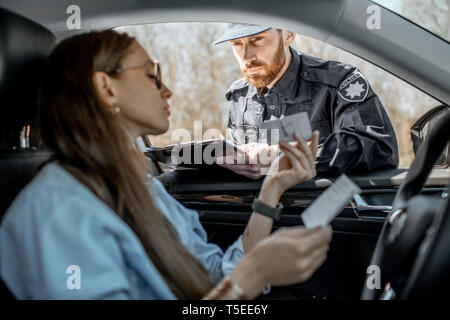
[156, 71]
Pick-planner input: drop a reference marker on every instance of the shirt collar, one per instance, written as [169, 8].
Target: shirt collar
[287, 85]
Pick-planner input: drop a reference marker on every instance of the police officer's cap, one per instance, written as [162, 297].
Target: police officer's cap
[236, 31]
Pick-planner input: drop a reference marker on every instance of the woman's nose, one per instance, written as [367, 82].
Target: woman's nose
[165, 92]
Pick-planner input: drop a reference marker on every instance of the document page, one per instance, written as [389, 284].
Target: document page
[330, 203]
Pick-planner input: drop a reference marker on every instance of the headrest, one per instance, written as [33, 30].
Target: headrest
[24, 45]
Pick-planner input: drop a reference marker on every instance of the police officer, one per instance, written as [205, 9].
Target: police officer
[355, 130]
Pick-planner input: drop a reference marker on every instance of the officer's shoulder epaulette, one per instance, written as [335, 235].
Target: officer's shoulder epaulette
[330, 72]
[238, 85]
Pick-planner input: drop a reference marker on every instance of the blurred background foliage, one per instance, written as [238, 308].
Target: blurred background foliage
[199, 74]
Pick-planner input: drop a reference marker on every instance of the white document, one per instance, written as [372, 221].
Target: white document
[330, 203]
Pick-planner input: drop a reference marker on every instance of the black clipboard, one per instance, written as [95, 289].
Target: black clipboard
[193, 154]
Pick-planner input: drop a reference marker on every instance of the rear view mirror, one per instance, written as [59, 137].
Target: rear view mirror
[421, 128]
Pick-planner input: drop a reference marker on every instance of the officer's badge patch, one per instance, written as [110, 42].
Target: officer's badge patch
[355, 88]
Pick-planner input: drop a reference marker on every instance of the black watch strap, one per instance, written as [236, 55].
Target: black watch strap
[266, 210]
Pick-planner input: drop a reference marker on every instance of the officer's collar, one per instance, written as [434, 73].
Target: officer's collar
[287, 84]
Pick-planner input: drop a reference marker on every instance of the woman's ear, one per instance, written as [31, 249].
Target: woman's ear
[104, 89]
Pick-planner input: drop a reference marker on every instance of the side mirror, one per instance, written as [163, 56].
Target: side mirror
[422, 126]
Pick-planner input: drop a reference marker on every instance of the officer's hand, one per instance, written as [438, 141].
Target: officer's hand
[254, 163]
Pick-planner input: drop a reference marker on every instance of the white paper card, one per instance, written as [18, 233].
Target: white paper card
[330, 203]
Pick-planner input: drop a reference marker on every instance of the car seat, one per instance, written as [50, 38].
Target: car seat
[24, 45]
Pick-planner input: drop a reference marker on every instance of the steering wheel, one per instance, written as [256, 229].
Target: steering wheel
[413, 249]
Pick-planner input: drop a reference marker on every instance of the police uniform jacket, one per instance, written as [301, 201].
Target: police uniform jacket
[356, 134]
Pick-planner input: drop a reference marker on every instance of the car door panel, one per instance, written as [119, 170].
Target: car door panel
[223, 201]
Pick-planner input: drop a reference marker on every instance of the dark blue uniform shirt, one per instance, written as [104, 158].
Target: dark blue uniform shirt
[355, 130]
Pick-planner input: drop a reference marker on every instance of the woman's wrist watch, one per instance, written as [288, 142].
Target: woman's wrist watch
[266, 210]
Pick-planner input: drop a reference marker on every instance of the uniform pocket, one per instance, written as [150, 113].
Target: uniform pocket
[323, 126]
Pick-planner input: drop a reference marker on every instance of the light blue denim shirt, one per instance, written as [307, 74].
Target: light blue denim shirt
[56, 222]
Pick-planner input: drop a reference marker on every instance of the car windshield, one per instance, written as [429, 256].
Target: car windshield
[432, 15]
[200, 74]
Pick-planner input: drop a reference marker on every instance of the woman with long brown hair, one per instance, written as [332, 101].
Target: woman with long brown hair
[95, 224]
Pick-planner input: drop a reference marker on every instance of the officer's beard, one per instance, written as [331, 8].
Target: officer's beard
[271, 71]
